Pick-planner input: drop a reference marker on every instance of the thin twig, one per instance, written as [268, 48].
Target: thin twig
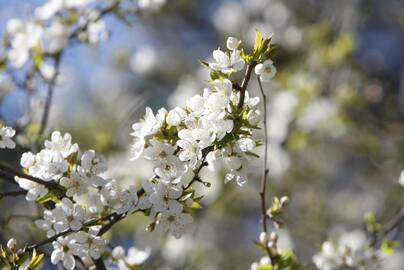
[388, 228]
[244, 84]
[9, 174]
[57, 57]
[49, 95]
[12, 193]
[55, 237]
[99, 264]
[264, 181]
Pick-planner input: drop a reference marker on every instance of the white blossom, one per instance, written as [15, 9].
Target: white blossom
[176, 116]
[351, 250]
[174, 221]
[265, 70]
[34, 190]
[163, 196]
[150, 125]
[64, 250]
[264, 261]
[12, 244]
[6, 135]
[56, 37]
[62, 144]
[74, 184]
[227, 63]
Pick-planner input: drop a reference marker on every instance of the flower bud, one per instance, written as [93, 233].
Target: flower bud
[254, 117]
[259, 69]
[118, 253]
[284, 201]
[274, 237]
[232, 43]
[233, 162]
[272, 245]
[12, 244]
[264, 238]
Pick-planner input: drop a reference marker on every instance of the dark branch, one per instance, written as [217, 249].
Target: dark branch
[244, 84]
[49, 96]
[12, 193]
[391, 225]
[9, 174]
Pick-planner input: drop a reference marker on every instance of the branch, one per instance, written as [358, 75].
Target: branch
[58, 56]
[49, 95]
[264, 181]
[244, 84]
[9, 174]
[99, 264]
[55, 237]
[12, 193]
[388, 228]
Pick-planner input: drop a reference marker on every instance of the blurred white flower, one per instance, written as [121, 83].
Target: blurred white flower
[144, 60]
[56, 37]
[266, 70]
[401, 178]
[6, 135]
[230, 17]
[352, 250]
[318, 115]
[135, 257]
[152, 5]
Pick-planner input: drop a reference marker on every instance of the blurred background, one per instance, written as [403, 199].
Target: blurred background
[336, 120]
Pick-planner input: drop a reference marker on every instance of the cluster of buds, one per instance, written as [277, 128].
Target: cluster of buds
[19, 259]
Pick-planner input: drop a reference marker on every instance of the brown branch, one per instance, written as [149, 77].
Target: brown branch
[12, 193]
[264, 216]
[387, 228]
[9, 174]
[99, 264]
[57, 57]
[55, 237]
[244, 84]
[49, 95]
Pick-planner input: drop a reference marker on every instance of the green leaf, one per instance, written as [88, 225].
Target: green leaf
[36, 260]
[215, 75]
[196, 205]
[372, 224]
[388, 247]
[252, 154]
[258, 40]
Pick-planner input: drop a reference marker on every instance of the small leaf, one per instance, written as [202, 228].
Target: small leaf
[196, 205]
[258, 40]
[388, 247]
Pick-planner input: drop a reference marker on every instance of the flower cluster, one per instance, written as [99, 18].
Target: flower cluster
[39, 42]
[352, 250]
[217, 129]
[48, 32]
[213, 129]
[74, 181]
[12, 258]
